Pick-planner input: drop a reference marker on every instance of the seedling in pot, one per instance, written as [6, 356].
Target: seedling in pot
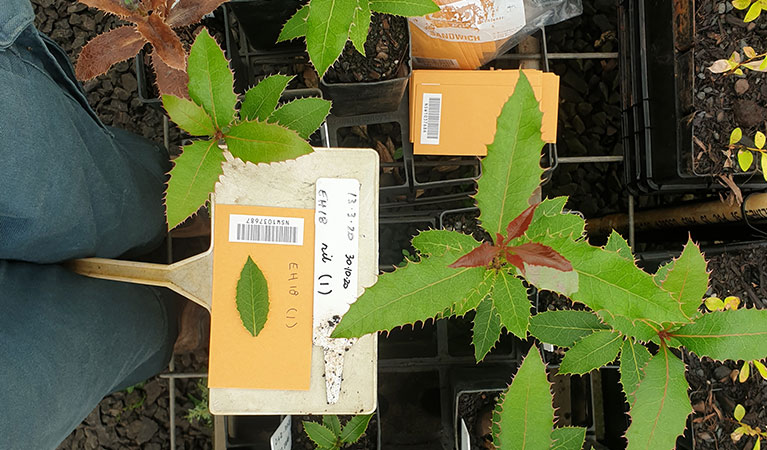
[330, 435]
[734, 64]
[746, 153]
[328, 24]
[627, 307]
[259, 131]
[152, 22]
[745, 429]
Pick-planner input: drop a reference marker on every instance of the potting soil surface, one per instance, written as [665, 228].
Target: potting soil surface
[723, 102]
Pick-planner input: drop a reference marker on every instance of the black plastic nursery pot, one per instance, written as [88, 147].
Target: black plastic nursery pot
[658, 80]
[262, 21]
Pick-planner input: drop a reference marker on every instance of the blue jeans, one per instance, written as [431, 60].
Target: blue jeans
[70, 187]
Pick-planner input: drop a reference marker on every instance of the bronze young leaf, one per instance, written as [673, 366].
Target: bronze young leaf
[520, 224]
[479, 257]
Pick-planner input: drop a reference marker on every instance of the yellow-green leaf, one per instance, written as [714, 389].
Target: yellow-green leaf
[736, 135]
[745, 371]
[188, 115]
[738, 71]
[749, 52]
[714, 304]
[192, 179]
[745, 159]
[252, 298]
[763, 164]
[759, 139]
[741, 4]
[763, 65]
[760, 368]
[753, 12]
[740, 411]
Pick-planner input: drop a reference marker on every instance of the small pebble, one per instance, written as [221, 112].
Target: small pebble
[741, 86]
[701, 95]
[722, 8]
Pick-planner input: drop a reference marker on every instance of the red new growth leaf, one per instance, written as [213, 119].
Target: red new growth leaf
[515, 260]
[519, 225]
[116, 7]
[187, 12]
[170, 81]
[479, 257]
[165, 41]
[535, 254]
[107, 49]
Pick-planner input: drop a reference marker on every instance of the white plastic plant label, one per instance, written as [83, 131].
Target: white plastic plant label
[465, 438]
[473, 21]
[282, 438]
[336, 256]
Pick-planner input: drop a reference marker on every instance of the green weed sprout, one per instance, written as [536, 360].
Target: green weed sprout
[746, 153]
[746, 430]
[331, 436]
[735, 64]
[754, 7]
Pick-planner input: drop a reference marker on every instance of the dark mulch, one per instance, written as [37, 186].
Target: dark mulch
[719, 107]
[476, 409]
[714, 390]
[385, 54]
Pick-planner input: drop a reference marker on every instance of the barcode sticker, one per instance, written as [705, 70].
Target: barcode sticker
[430, 118]
[266, 229]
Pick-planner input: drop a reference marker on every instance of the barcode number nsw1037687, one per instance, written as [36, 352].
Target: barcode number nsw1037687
[266, 229]
[430, 118]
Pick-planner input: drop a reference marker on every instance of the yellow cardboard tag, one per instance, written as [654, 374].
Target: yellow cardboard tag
[281, 243]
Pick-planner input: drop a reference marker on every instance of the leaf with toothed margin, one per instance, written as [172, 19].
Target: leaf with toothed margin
[192, 179]
[417, 292]
[642, 329]
[662, 272]
[358, 33]
[550, 220]
[510, 300]
[265, 142]
[564, 328]
[591, 352]
[607, 281]
[730, 334]
[261, 99]
[210, 80]
[616, 243]
[295, 27]
[475, 296]
[634, 357]
[407, 8]
[188, 115]
[486, 329]
[687, 280]
[568, 438]
[304, 115]
[327, 30]
[524, 417]
[511, 170]
[661, 407]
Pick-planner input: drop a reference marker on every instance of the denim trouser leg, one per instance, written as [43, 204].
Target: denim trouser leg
[69, 187]
[67, 341]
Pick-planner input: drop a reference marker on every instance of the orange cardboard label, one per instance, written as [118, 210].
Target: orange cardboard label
[281, 243]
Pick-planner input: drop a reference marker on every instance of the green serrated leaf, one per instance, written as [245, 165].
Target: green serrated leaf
[591, 352]
[564, 328]
[634, 357]
[662, 405]
[265, 142]
[332, 423]
[192, 179]
[303, 115]
[607, 281]
[511, 170]
[486, 330]
[320, 435]
[210, 80]
[261, 99]
[662, 272]
[745, 159]
[327, 29]
[408, 8]
[358, 33]
[616, 243]
[188, 115]
[687, 281]
[439, 242]
[354, 428]
[295, 27]
[549, 220]
[511, 302]
[252, 298]
[726, 334]
[568, 438]
[416, 292]
[550, 279]
[641, 329]
[475, 296]
[524, 417]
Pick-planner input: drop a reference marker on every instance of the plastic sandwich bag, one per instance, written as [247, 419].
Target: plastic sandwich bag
[466, 34]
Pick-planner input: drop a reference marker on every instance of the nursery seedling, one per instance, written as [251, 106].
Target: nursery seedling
[328, 24]
[200, 412]
[745, 429]
[754, 7]
[152, 22]
[627, 307]
[331, 436]
[746, 153]
[734, 64]
[259, 132]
